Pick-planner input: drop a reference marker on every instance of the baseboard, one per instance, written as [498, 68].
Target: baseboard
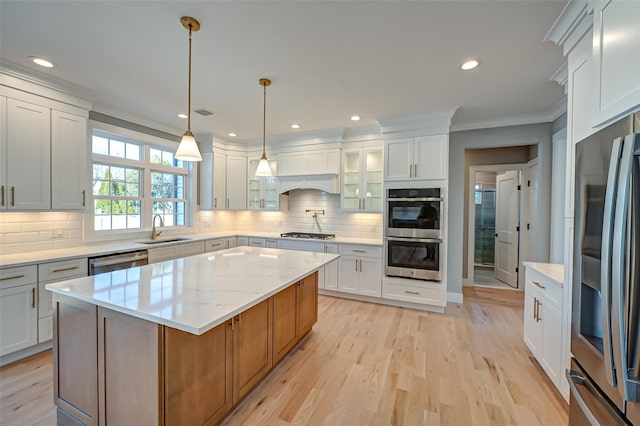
[381, 301]
[454, 297]
[26, 352]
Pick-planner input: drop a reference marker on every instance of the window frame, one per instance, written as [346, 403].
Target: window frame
[146, 143]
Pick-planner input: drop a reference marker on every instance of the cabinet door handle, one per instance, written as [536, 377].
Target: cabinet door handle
[70, 268]
[538, 319]
[84, 198]
[239, 317]
[33, 297]
[227, 203]
[415, 170]
[410, 170]
[13, 196]
[411, 292]
[535, 307]
[215, 202]
[13, 277]
[2, 195]
[539, 285]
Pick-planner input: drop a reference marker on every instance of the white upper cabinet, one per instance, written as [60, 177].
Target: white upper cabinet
[236, 182]
[303, 163]
[616, 55]
[69, 161]
[219, 181]
[27, 159]
[263, 191]
[362, 179]
[419, 158]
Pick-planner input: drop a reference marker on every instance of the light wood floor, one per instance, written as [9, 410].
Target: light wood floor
[366, 364]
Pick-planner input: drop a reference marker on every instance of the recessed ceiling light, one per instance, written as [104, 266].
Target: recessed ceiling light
[469, 65]
[42, 62]
[295, 126]
[355, 117]
[181, 115]
[233, 134]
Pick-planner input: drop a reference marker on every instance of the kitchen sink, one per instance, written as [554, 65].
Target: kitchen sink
[164, 240]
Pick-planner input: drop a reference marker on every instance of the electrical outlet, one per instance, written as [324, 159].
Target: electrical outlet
[56, 231]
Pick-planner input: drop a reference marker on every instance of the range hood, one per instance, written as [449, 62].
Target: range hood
[329, 183]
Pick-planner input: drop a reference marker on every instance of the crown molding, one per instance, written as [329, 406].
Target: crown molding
[434, 123]
[516, 120]
[559, 109]
[571, 25]
[561, 76]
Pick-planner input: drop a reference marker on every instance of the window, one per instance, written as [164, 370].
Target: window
[133, 181]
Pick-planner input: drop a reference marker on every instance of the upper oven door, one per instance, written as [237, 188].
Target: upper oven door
[414, 217]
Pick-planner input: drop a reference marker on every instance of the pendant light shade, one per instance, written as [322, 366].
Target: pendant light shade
[264, 169]
[188, 148]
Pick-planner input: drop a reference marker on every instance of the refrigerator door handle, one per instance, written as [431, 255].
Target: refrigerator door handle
[578, 381]
[618, 334]
[605, 268]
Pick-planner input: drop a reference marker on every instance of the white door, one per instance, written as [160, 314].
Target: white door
[506, 228]
[430, 156]
[219, 181]
[349, 276]
[370, 277]
[68, 161]
[18, 318]
[399, 159]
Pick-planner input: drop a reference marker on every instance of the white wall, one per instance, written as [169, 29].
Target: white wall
[485, 138]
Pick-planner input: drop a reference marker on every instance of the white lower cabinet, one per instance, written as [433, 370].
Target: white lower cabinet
[360, 270]
[52, 272]
[217, 244]
[18, 308]
[330, 271]
[175, 251]
[543, 323]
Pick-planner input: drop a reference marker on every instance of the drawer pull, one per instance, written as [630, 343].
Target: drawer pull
[359, 251]
[411, 292]
[2, 195]
[70, 268]
[84, 198]
[13, 277]
[539, 285]
[216, 244]
[33, 298]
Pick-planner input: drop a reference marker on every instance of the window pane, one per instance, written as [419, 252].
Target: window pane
[102, 207]
[116, 149]
[100, 145]
[133, 190]
[133, 151]
[119, 221]
[156, 156]
[167, 158]
[100, 172]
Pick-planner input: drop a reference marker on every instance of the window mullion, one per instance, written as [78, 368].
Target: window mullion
[147, 200]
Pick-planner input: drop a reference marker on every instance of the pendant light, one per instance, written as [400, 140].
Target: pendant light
[188, 148]
[264, 169]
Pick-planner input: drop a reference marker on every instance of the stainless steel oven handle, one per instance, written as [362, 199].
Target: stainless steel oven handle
[415, 199]
[416, 240]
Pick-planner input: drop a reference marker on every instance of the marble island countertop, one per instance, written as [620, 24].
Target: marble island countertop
[111, 247]
[555, 271]
[196, 293]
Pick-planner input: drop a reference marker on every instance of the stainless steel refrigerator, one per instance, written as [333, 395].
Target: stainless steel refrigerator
[605, 324]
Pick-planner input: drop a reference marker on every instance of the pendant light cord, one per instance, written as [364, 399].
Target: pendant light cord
[264, 120]
[189, 97]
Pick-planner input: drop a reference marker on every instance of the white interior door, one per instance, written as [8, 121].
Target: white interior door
[507, 228]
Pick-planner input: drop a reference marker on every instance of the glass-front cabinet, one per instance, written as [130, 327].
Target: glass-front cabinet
[362, 179]
[263, 191]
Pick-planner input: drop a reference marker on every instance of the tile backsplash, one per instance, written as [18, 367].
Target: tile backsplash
[344, 224]
[30, 231]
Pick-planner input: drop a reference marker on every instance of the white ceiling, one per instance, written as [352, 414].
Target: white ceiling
[327, 60]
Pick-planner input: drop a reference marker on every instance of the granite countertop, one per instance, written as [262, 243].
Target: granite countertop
[106, 248]
[555, 271]
[196, 293]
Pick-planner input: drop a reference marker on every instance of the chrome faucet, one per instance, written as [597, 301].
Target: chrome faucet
[154, 234]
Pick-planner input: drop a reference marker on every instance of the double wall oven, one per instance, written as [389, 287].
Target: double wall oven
[414, 233]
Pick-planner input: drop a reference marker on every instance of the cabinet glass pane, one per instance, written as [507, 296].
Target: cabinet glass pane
[254, 185]
[351, 185]
[270, 193]
[373, 180]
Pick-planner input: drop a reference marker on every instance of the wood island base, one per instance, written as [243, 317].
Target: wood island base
[113, 368]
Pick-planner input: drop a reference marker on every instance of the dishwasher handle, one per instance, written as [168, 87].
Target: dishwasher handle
[126, 259]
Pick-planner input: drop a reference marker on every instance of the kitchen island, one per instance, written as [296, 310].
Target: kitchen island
[181, 341]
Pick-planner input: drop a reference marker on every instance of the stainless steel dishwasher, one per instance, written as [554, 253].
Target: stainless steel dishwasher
[115, 262]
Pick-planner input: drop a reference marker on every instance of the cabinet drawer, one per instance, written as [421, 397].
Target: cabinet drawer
[257, 242]
[547, 288]
[430, 295]
[45, 329]
[361, 251]
[190, 249]
[215, 245]
[162, 253]
[20, 275]
[62, 270]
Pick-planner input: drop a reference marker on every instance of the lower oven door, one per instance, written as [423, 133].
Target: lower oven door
[417, 258]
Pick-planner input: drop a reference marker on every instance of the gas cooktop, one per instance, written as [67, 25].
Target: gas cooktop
[308, 235]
